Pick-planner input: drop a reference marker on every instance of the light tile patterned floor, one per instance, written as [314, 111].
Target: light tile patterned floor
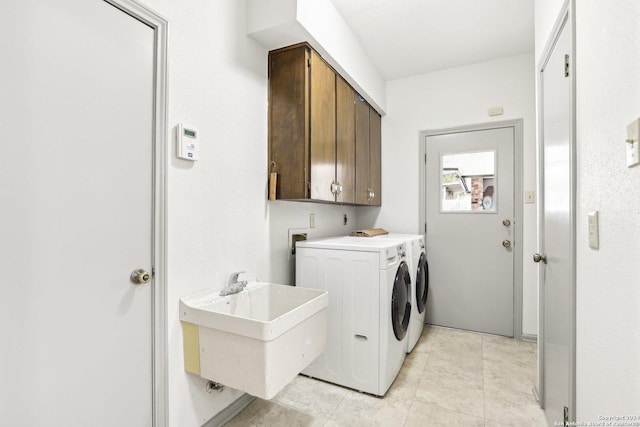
[452, 378]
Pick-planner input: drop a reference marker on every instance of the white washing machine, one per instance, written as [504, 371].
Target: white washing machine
[417, 260]
[368, 282]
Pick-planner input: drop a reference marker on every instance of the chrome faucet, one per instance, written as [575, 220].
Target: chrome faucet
[233, 286]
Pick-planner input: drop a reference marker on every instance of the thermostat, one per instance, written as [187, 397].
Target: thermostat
[187, 143]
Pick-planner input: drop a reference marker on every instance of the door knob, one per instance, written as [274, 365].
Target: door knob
[140, 276]
[506, 243]
[506, 222]
[540, 257]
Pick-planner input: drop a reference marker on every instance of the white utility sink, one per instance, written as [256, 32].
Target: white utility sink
[257, 340]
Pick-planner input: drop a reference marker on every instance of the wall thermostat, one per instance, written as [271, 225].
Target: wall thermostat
[187, 143]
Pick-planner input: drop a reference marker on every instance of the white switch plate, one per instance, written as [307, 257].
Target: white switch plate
[529, 196]
[312, 220]
[633, 143]
[594, 239]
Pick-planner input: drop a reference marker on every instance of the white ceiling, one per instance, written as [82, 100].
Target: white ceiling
[409, 37]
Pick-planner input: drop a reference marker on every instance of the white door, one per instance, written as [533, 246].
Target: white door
[469, 239]
[76, 116]
[556, 235]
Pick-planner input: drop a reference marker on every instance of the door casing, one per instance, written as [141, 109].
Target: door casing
[566, 18]
[159, 304]
[517, 200]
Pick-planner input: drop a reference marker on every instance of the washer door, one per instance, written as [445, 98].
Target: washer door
[400, 301]
[422, 282]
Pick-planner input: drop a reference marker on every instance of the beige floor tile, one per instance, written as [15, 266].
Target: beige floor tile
[358, 409]
[512, 408]
[427, 340]
[458, 341]
[311, 395]
[270, 413]
[406, 383]
[508, 376]
[451, 378]
[451, 392]
[423, 414]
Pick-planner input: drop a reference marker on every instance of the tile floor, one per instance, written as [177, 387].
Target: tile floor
[452, 378]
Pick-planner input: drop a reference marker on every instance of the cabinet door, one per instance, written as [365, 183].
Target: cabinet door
[362, 151]
[345, 141]
[375, 153]
[323, 129]
[289, 121]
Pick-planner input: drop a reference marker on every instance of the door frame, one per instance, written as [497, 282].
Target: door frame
[159, 242]
[516, 124]
[566, 17]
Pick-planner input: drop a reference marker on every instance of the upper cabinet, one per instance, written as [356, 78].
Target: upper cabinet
[318, 142]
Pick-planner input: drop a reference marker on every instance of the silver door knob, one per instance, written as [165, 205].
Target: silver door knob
[140, 276]
[506, 243]
[506, 222]
[540, 257]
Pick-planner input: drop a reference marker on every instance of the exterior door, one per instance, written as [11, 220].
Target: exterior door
[469, 237]
[556, 231]
[76, 101]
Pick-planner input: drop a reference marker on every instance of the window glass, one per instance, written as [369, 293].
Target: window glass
[468, 182]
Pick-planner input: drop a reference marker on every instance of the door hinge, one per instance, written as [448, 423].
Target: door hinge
[566, 416]
[309, 62]
[566, 65]
[425, 158]
[425, 228]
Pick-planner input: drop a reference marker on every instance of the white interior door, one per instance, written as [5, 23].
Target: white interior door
[470, 229]
[556, 235]
[76, 108]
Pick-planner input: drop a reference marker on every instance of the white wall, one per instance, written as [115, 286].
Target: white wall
[448, 98]
[280, 23]
[218, 218]
[608, 279]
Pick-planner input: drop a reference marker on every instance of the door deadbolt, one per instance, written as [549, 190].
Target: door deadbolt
[506, 222]
[140, 276]
[540, 257]
[506, 243]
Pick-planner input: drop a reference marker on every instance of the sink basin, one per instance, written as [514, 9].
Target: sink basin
[257, 340]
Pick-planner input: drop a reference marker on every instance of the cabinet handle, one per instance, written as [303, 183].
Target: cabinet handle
[339, 188]
[334, 188]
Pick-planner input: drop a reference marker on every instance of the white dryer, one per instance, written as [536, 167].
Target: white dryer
[417, 260]
[368, 282]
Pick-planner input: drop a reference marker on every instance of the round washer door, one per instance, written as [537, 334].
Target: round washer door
[422, 282]
[401, 302]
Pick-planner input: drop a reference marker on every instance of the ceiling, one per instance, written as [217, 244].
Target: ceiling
[409, 37]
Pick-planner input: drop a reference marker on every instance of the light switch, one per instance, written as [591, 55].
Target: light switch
[633, 143]
[312, 220]
[498, 111]
[529, 196]
[594, 240]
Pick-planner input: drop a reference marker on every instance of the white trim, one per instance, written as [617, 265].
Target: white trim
[565, 17]
[159, 305]
[517, 200]
[529, 338]
[224, 416]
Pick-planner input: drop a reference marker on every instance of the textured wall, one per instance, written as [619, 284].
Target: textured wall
[447, 98]
[218, 218]
[608, 279]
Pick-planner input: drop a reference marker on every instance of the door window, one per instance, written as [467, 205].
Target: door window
[468, 182]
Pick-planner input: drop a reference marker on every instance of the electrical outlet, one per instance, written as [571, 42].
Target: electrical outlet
[345, 219]
[633, 143]
[312, 220]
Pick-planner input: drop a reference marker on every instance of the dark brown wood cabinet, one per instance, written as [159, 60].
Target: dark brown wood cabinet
[319, 143]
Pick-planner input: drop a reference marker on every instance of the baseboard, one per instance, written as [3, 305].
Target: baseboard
[230, 411]
[536, 395]
[529, 338]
